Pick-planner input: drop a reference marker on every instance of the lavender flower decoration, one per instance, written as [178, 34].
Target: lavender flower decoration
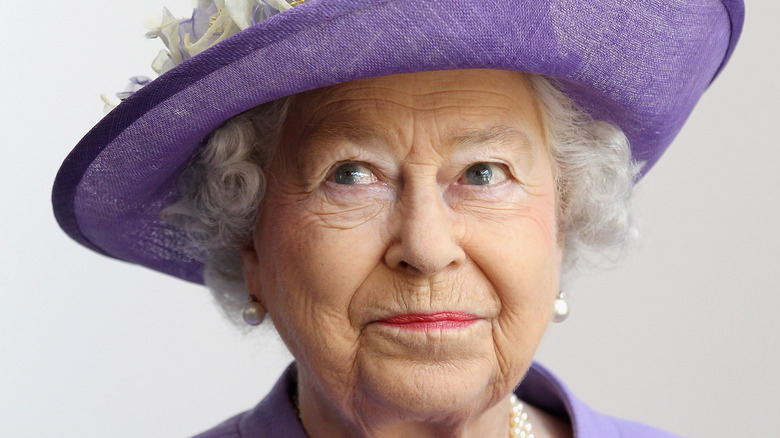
[135, 84]
[211, 22]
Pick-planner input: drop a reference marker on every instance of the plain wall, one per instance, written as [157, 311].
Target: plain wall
[682, 335]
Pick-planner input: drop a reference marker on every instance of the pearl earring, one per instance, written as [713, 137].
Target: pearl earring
[253, 312]
[561, 308]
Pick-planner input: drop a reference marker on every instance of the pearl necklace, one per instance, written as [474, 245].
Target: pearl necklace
[519, 426]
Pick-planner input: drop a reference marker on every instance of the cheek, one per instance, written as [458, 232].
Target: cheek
[311, 270]
[520, 255]
[520, 243]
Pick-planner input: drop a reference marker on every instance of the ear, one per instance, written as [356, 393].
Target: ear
[250, 268]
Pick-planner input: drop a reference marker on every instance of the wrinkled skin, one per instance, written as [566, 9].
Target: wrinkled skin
[375, 208]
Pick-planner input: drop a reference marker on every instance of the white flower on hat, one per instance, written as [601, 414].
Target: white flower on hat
[211, 22]
[167, 29]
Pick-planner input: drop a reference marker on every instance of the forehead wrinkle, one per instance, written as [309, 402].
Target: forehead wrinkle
[441, 97]
[358, 90]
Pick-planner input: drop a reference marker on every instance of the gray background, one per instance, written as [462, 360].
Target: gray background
[682, 335]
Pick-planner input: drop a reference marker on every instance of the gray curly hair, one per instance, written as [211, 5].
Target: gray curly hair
[225, 182]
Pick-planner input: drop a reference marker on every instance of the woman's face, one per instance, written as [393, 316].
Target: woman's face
[407, 248]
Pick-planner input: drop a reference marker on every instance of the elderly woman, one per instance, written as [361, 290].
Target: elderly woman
[400, 186]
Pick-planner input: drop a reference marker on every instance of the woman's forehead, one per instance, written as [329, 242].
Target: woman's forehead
[430, 90]
[458, 108]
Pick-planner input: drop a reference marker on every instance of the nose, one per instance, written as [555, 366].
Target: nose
[425, 235]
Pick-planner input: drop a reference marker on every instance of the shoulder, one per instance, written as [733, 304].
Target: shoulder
[273, 417]
[631, 429]
[226, 429]
[543, 389]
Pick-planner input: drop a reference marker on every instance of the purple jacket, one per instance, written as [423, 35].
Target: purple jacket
[275, 417]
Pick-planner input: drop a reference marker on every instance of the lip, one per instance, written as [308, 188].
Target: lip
[430, 321]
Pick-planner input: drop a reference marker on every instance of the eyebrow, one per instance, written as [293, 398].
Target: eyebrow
[331, 134]
[350, 131]
[500, 137]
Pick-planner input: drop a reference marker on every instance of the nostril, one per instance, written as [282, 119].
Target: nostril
[421, 267]
[414, 269]
[409, 268]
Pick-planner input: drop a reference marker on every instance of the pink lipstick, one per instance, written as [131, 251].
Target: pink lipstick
[430, 321]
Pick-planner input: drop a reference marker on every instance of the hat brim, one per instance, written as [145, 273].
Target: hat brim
[642, 66]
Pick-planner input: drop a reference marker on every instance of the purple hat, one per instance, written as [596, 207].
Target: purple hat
[640, 65]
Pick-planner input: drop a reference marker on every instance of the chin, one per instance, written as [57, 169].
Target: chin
[426, 391]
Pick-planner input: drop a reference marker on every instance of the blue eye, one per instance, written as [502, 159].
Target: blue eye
[481, 174]
[352, 174]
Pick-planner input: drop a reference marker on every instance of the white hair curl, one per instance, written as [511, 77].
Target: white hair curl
[225, 182]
